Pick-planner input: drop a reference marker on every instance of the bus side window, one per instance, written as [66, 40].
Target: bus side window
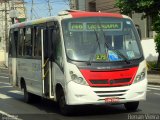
[28, 43]
[13, 38]
[57, 45]
[21, 42]
[37, 42]
[139, 31]
[46, 43]
[50, 45]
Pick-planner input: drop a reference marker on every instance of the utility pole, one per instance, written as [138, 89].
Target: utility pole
[12, 8]
[25, 12]
[32, 10]
[6, 25]
[49, 8]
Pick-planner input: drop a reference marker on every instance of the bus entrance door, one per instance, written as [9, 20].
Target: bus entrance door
[46, 65]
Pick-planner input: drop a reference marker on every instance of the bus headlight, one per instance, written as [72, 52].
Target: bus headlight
[77, 79]
[140, 76]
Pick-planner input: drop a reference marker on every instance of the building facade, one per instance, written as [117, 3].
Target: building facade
[109, 6]
[144, 24]
[5, 22]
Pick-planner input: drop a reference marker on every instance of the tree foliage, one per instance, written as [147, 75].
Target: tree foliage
[157, 40]
[150, 8]
[139, 6]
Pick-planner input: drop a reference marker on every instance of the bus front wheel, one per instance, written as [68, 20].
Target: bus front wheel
[64, 108]
[131, 106]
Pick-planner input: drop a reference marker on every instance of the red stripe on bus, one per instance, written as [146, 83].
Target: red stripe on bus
[110, 76]
[94, 14]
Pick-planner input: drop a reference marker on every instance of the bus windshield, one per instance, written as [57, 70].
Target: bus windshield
[100, 39]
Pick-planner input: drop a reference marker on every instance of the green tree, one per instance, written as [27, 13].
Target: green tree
[150, 8]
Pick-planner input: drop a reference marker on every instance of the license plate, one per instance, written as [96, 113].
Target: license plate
[112, 100]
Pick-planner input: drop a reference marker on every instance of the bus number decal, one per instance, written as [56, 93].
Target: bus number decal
[101, 57]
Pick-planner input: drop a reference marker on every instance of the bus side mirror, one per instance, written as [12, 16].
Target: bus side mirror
[139, 31]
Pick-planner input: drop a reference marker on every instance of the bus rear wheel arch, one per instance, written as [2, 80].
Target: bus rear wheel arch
[28, 97]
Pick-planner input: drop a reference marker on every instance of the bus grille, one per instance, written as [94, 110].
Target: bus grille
[99, 81]
[110, 82]
[114, 93]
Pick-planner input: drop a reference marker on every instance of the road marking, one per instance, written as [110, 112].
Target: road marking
[16, 92]
[5, 83]
[153, 88]
[157, 86]
[6, 116]
[5, 86]
[2, 96]
[156, 93]
[4, 77]
[3, 74]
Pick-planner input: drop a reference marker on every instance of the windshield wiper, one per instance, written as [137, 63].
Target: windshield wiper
[109, 47]
[97, 39]
[119, 53]
[98, 43]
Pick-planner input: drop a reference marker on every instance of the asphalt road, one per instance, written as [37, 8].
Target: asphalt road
[13, 107]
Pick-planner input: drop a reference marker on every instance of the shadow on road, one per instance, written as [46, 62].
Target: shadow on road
[82, 110]
[51, 108]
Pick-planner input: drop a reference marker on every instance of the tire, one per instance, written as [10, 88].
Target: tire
[131, 106]
[27, 95]
[64, 108]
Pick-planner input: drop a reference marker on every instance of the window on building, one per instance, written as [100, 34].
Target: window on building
[92, 6]
[149, 27]
[145, 25]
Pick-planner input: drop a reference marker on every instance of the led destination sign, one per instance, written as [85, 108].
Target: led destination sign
[76, 26]
[94, 26]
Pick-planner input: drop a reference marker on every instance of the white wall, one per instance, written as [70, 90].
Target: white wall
[150, 53]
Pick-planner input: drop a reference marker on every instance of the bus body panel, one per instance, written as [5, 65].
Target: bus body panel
[58, 77]
[82, 94]
[86, 94]
[30, 71]
[75, 94]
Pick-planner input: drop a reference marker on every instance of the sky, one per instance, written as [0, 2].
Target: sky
[40, 8]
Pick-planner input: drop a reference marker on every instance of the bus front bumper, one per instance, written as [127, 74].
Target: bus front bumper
[77, 94]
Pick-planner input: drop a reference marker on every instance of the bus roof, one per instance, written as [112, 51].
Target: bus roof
[68, 14]
[78, 14]
[34, 22]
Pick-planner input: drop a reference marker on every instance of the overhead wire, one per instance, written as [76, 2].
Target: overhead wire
[43, 6]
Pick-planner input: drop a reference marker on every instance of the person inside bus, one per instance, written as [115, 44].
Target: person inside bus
[114, 43]
[118, 42]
